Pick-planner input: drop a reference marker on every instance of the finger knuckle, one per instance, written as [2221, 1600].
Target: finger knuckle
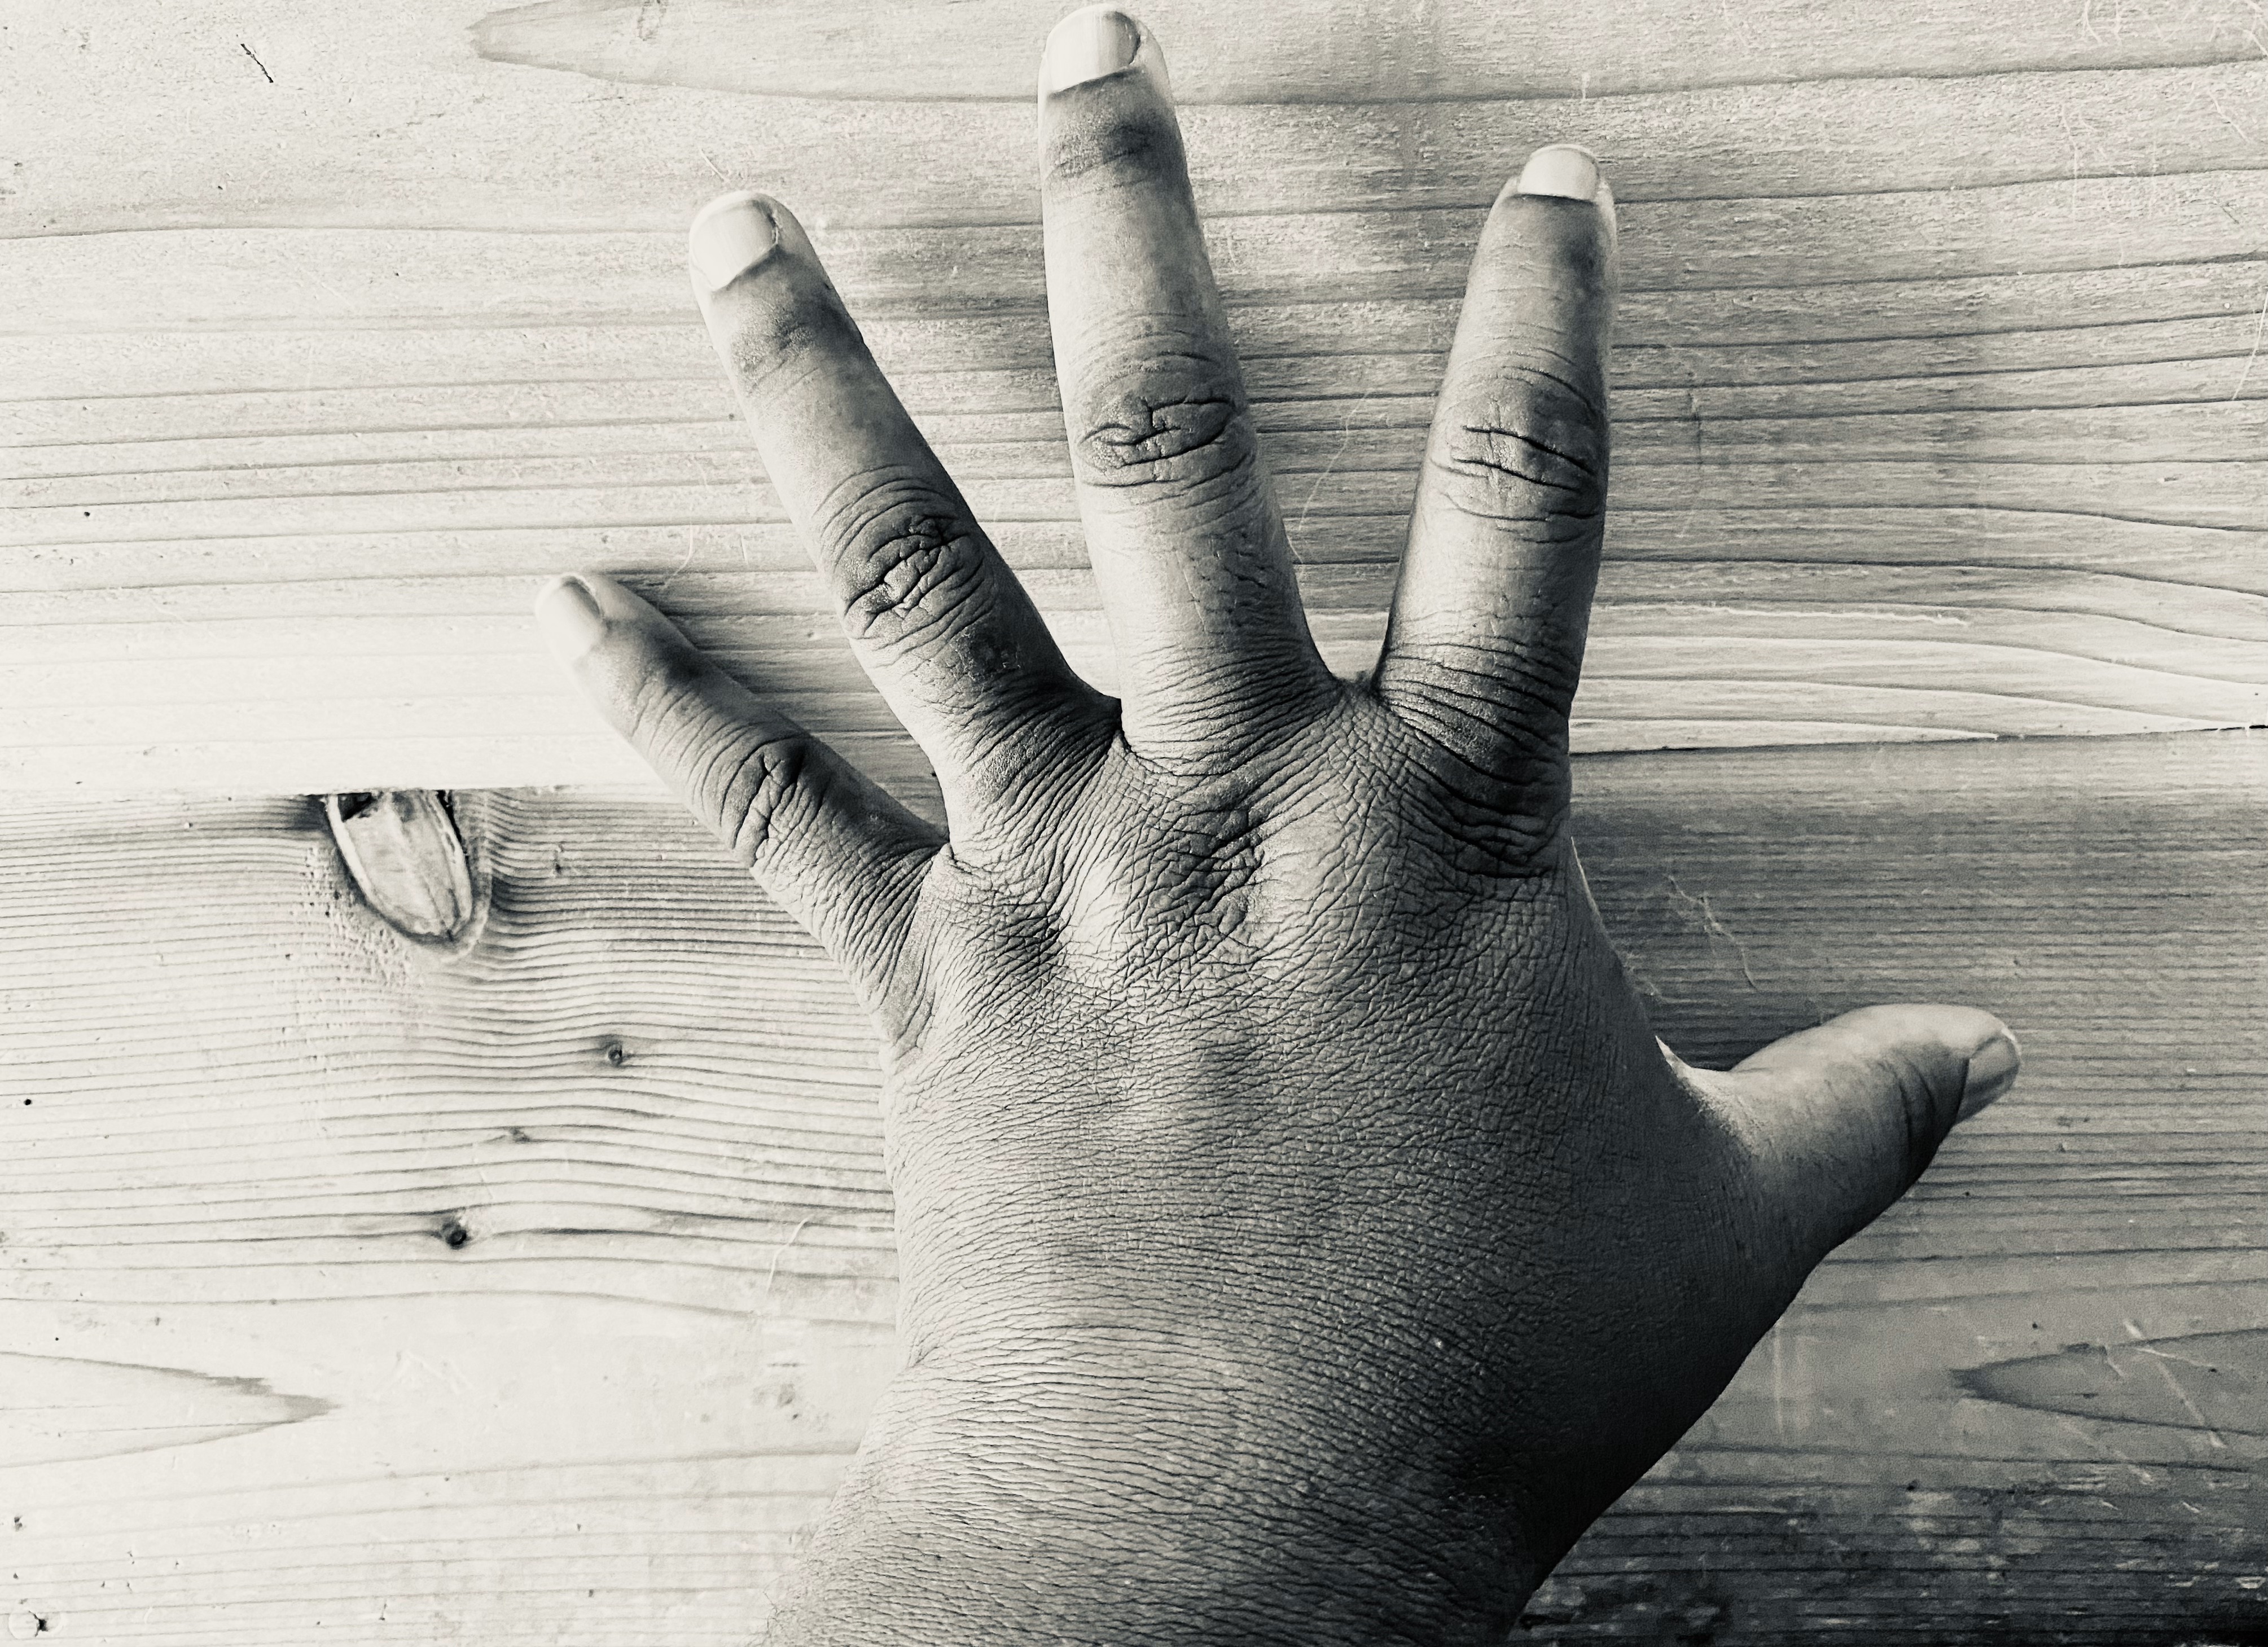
[1174, 430]
[1110, 145]
[1531, 457]
[907, 560]
[1923, 1115]
[734, 781]
[1509, 681]
[750, 787]
[1503, 807]
[791, 326]
[663, 702]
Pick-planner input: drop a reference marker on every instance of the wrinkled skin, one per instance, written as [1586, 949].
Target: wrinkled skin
[1263, 1108]
[1303, 1235]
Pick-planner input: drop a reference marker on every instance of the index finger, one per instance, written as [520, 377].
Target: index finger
[938, 619]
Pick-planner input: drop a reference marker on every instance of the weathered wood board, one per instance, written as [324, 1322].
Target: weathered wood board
[350, 1296]
[330, 332]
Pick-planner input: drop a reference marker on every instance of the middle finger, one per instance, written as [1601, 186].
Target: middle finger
[1187, 544]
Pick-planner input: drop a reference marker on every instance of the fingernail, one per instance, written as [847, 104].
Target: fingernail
[1563, 169]
[1992, 1072]
[1087, 46]
[569, 618]
[731, 236]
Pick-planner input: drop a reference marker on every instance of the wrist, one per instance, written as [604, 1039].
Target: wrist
[1133, 1504]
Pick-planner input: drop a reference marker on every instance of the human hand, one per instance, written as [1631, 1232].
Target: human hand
[1303, 1236]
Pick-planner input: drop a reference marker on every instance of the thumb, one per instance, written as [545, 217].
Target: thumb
[1844, 1118]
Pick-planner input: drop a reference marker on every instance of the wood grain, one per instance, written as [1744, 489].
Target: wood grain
[1939, 391]
[354, 1293]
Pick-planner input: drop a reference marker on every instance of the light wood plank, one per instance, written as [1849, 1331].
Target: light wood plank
[353, 1295]
[1939, 386]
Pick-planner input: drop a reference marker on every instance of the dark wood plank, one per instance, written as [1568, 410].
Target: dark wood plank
[538, 1294]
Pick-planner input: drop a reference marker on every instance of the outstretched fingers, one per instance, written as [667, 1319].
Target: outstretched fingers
[1486, 639]
[838, 854]
[935, 615]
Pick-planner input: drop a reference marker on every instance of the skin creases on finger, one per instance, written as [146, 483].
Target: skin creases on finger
[1486, 644]
[1188, 545]
[838, 853]
[935, 617]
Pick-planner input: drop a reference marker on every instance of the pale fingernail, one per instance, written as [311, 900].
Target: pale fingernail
[1087, 46]
[731, 236]
[1992, 1072]
[569, 618]
[1563, 169]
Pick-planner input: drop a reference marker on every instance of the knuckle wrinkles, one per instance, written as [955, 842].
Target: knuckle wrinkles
[1918, 1109]
[734, 782]
[1110, 148]
[1510, 683]
[1532, 457]
[1509, 804]
[748, 786]
[906, 557]
[797, 323]
[1177, 432]
[666, 700]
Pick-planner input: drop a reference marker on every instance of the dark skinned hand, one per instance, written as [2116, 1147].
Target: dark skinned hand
[1303, 1235]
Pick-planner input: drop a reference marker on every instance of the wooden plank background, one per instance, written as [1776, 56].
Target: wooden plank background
[350, 1294]
[332, 331]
